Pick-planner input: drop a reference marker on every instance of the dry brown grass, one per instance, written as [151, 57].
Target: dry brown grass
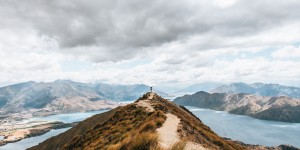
[144, 141]
[179, 145]
[131, 127]
[148, 127]
[192, 129]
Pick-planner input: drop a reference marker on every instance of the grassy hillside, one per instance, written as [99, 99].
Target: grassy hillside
[134, 127]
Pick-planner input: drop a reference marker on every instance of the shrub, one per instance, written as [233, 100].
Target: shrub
[149, 126]
[160, 122]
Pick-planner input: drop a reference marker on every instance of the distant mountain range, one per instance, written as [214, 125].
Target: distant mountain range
[260, 89]
[206, 86]
[66, 95]
[280, 108]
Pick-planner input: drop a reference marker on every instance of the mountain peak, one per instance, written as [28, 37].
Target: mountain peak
[150, 96]
[151, 122]
[63, 81]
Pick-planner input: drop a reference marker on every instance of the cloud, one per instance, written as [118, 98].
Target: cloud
[287, 52]
[224, 3]
[114, 30]
[153, 42]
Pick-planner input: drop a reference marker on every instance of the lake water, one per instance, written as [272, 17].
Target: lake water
[29, 142]
[67, 118]
[249, 130]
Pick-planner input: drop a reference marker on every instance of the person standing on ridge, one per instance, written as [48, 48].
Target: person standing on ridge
[151, 89]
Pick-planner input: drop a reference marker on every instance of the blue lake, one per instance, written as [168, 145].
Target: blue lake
[29, 142]
[67, 118]
[249, 130]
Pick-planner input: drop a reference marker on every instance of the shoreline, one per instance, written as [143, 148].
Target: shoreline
[17, 134]
[19, 126]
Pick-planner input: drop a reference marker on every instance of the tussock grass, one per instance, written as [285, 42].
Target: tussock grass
[148, 127]
[159, 122]
[144, 141]
[131, 127]
[179, 145]
[192, 129]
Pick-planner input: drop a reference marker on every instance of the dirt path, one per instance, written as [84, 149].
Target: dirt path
[145, 103]
[151, 96]
[194, 146]
[168, 132]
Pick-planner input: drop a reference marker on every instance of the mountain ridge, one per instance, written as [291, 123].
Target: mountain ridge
[206, 86]
[279, 108]
[64, 96]
[141, 126]
[260, 89]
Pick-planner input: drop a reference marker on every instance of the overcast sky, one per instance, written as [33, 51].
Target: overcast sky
[156, 42]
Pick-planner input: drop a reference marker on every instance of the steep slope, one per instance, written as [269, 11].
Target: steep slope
[269, 108]
[150, 123]
[260, 89]
[7, 93]
[57, 142]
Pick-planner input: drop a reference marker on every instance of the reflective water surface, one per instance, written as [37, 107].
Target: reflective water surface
[249, 130]
[67, 118]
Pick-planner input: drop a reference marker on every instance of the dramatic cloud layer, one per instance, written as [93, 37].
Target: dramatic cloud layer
[155, 42]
